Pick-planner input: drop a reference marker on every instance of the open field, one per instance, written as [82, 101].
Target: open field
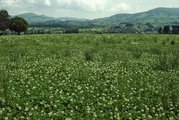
[86, 77]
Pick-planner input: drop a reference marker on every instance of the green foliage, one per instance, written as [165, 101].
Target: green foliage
[158, 16]
[168, 61]
[70, 31]
[177, 73]
[18, 25]
[4, 20]
[67, 52]
[164, 42]
[173, 42]
[137, 53]
[160, 30]
[166, 29]
[89, 54]
[102, 77]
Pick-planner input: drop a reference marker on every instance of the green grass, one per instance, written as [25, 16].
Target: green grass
[85, 77]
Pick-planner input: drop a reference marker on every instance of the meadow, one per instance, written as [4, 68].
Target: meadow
[89, 77]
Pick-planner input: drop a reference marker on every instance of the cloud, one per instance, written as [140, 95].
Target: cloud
[71, 8]
[80, 5]
[93, 5]
[120, 7]
[31, 1]
[86, 5]
[48, 2]
[9, 2]
[82, 8]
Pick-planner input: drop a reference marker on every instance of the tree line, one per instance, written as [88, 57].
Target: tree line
[169, 29]
[14, 24]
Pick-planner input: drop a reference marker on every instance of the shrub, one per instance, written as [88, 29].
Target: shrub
[163, 42]
[89, 54]
[173, 42]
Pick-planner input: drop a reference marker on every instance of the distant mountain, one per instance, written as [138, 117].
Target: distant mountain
[70, 19]
[158, 16]
[155, 16]
[144, 21]
[33, 18]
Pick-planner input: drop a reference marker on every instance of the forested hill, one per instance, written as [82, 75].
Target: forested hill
[148, 21]
[158, 16]
[33, 18]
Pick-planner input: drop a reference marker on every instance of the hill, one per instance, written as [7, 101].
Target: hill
[33, 18]
[158, 16]
[143, 22]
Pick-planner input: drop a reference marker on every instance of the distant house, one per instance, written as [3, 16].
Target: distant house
[175, 29]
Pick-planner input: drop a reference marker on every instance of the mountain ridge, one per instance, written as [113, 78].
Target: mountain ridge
[159, 15]
[156, 17]
[35, 18]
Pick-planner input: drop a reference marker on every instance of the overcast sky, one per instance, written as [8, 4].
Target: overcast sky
[83, 8]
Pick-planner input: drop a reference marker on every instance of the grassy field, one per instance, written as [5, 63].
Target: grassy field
[86, 77]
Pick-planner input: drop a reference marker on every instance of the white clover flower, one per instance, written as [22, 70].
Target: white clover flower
[1, 112]
[50, 114]
[22, 117]
[149, 116]
[26, 109]
[6, 118]
[62, 112]
[30, 113]
[94, 114]
[171, 118]
[68, 119]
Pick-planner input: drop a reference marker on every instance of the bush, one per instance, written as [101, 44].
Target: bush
[70, 31]
[89, 54]
[173, 42]
[163, 42]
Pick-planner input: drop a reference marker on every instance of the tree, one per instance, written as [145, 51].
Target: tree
[4, 20]
[160, 30]
[166, 29]
[175, 29]
[149, 25]
[70, 31]
[18, 25]
[129, 25]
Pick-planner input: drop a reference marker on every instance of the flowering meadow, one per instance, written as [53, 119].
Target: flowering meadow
[89, 77]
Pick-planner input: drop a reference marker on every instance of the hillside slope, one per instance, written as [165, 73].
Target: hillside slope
[33, 18]
[157, 16]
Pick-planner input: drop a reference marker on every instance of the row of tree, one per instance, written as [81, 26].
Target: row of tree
[169, 29]
[14, 24]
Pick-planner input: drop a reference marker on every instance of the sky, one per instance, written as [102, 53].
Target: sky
[90, 9]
